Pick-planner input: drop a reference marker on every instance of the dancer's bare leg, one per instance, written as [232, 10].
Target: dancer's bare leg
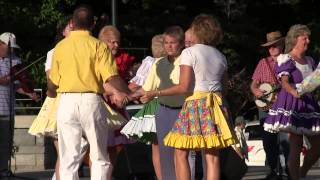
[156, 160]
[182, 164]
[55, 142]
[213, 164]
[311, 156]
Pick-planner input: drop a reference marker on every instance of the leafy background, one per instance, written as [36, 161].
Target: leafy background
[245, 23]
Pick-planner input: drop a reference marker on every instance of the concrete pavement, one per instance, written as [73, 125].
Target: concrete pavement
[254, 173]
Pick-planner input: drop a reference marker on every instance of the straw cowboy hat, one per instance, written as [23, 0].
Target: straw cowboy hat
[273, 38]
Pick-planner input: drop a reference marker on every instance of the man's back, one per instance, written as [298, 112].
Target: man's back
[81, 63]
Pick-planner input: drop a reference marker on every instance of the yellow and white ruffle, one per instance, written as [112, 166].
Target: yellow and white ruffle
[202, 124]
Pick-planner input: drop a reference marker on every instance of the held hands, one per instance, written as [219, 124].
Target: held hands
[120, 99]
[143, 96]
[148, 96]
[135, 96]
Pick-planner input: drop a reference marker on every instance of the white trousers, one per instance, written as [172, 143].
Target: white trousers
[84, 147]
[82, 114]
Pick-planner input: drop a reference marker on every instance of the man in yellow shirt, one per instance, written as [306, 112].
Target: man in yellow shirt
[81, 65]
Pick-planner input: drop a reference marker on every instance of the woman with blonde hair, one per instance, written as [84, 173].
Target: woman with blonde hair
[142, 126]
[164, 74]
[291, 113]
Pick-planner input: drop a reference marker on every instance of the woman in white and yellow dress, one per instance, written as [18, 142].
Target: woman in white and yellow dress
[142, 126]
[165, 73]
[202, 123]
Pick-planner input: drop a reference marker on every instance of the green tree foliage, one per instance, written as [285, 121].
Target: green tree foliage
[49, 13]
[33, 22]
[245, 23]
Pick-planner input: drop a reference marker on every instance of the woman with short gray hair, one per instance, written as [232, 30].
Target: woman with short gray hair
[291, 113]
[293, 34]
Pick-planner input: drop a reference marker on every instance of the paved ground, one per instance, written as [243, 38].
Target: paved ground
[254, 173]
[134, 163]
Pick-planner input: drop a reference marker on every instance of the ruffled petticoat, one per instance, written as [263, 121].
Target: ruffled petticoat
[201, 124]
[142, 126]
[296, 115]
[45, 124]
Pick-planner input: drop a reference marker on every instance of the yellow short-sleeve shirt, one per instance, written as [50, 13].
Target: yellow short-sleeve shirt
[164, 74]
[81, 63]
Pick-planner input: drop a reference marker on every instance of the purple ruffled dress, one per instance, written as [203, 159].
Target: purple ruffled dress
[291, 114]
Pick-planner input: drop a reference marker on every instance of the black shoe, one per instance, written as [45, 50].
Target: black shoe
[5, 173]
[271, 176]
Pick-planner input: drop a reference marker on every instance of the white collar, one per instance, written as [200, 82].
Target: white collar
[283, 58]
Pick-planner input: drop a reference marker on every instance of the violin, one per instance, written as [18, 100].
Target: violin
[19, 73]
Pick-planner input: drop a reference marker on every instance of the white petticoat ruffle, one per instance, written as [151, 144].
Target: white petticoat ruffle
[275, 128]
[137, 126]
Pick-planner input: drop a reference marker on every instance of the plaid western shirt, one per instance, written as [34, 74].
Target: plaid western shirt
[262, 73]
[5, 89]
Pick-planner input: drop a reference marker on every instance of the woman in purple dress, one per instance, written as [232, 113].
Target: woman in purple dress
[291, 113]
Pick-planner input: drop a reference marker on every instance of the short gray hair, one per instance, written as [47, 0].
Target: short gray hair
[157, 46]
[294, 32]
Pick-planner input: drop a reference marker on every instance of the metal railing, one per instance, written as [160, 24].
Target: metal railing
[20, 104]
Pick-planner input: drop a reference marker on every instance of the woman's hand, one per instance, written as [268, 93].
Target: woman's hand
[295, 93]
[120, 99]
[148, 96]
[135, 96]
[288, 87]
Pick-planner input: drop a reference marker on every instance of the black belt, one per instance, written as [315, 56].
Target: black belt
[170, 107]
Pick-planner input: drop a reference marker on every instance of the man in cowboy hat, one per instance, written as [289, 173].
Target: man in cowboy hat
[265, 73]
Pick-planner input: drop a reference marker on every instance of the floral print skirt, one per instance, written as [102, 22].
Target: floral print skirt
[198, 128]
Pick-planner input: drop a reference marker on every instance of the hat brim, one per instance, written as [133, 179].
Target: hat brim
[273, 42]
[13, 45]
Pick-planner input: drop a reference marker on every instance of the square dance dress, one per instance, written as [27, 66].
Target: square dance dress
[291, 114]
